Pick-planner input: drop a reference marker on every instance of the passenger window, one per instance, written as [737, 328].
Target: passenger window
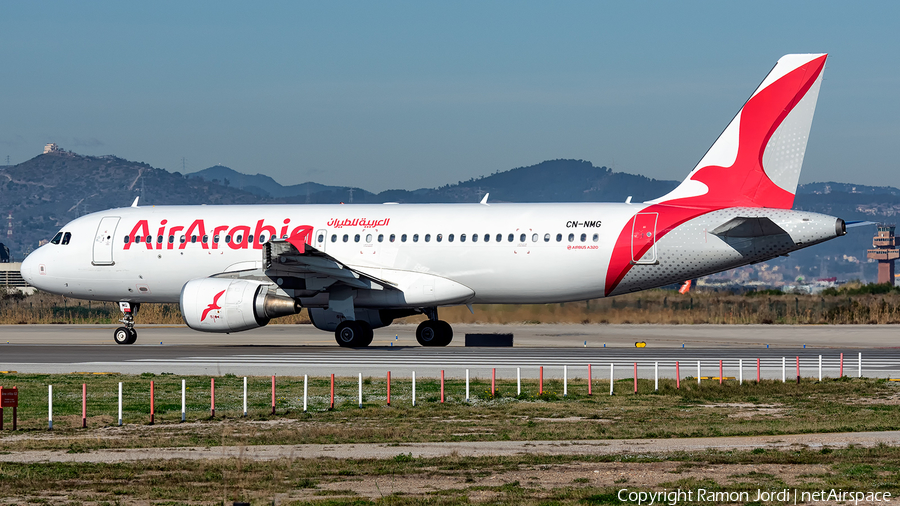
[546, 237]
[137, 238]
[227, 239]
[534, 237]
[356, 238]
[596, 237]
[193, 239]
[511, 238]
[440, 237]
[393, 237]
[450, 237]
[462, 237]
[415, 237]
[127, 238]
[346, 237]
[181, 239]
[522, 238]
[583, 237]
[56, 238]
[321, 238]
[216, 239]
[571, 237]
[558, 237]
[403, 238]
[368, 237]
[427, 237]
[149, 239]
[380, 237]
[334, 238]
[159, 239]
[205, 238]
[250, 239]
[474, 237]
[171, 239]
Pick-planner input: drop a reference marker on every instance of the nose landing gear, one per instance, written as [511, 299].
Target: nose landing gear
[126, 334]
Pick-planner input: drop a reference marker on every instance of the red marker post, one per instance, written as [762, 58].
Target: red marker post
[273, 394]
[721, 376]
[635, 377]
[541, 387]
[757, 371]
[589, 379]
[442, 386]
[332, 392]
[842, 366]
[84, 405]
[212, 397]
[677, 376]
[389, 388]
[152, 410]
[798, 370]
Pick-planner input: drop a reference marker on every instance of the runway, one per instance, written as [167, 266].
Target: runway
[560, 349]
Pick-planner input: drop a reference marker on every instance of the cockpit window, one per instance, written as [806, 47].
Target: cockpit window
[56, 238]
[66, 238]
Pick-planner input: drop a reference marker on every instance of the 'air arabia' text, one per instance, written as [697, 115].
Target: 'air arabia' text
[236, 237]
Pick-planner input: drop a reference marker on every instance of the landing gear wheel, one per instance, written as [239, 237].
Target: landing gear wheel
[122, 335]
[434, 333]
[133, 337]
[353, 334]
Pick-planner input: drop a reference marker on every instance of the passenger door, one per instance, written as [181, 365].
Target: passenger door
[103, 241]
[643, 238]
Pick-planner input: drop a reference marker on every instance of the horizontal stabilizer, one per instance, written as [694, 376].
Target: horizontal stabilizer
[748, 227]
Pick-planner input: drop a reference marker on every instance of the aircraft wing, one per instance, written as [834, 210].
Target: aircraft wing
[309, 263]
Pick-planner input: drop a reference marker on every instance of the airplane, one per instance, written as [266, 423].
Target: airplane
[356, 268]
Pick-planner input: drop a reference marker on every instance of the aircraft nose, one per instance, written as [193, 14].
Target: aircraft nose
[27, 269]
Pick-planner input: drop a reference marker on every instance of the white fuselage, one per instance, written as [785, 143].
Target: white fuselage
[497, 253]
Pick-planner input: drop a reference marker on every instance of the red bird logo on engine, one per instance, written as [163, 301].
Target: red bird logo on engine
[214, 305]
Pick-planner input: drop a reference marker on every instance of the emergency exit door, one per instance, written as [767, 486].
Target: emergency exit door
[643, 238]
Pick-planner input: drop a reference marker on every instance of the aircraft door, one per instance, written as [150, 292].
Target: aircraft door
[103, 241]
[320, 239]
[643, 238]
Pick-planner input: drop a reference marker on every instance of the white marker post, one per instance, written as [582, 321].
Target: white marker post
[611, 377]
[859, 372]
[518, 381]
[120, 404]
[698, 372]
[565, 381]
[783, 370]
[50, 406]
[245, 396]
[305, 391]
[414, 388]
[360, 390]
[656, 376]
[820, 367]
[183, 417]
[740, 371]
[467, 385]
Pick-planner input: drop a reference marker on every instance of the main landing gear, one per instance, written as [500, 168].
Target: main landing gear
[126, 334]
[434, 333]
[354, 334]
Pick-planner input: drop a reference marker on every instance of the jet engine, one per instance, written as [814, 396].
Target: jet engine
[232, 305]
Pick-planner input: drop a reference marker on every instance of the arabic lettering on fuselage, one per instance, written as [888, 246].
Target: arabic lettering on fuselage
[358, 222]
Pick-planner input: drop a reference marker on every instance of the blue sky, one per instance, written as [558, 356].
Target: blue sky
[419, 94]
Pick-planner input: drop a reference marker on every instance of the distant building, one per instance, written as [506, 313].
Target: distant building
[51, 148]
[11, 279]
[885, 252]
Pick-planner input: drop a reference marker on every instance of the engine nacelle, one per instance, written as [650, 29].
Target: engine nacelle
[326, 319]
[231, 305]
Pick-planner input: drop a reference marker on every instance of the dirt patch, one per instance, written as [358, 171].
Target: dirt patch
[749, 410]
